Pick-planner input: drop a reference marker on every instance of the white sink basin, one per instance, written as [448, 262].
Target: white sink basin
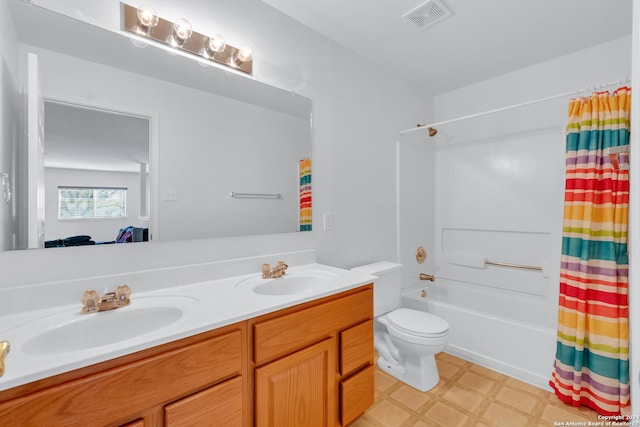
[73, 331]
[289, 284]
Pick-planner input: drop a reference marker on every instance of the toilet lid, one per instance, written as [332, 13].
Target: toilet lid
[415, 322]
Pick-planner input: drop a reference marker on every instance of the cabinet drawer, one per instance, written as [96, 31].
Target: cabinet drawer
[356, 395]
[108, 396]
[356, 347]
[220, 405]
[282, 335]
[136, 423]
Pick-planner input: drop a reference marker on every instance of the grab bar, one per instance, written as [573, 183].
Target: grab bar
[255, 195]
[508, 264]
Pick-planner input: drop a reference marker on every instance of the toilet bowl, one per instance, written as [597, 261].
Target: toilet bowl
[408, 344]
[406, 340]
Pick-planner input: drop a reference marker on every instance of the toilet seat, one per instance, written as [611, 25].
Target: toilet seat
[417, 323]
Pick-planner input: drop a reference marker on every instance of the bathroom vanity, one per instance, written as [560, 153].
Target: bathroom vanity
[314, 364]
[305, 364]
[197, 378]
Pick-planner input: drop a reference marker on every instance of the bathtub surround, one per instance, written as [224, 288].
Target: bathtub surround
[493, 188]
[592, 357]
[478, 336]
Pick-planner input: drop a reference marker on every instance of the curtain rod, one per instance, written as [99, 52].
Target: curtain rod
[514, 106]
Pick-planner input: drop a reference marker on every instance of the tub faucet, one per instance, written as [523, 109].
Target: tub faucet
[92, 302]
[4, 350]
[277, 271]
[429, 277]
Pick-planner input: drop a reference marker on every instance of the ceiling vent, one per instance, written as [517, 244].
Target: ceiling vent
[428, 13]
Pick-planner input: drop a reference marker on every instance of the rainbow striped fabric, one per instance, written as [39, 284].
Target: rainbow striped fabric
[592, 356]
[305, 195]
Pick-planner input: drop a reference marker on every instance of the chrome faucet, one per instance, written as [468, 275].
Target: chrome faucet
[92, 302]
[277, 271]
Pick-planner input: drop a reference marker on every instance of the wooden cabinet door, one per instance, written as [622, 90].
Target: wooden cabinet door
[298, 390]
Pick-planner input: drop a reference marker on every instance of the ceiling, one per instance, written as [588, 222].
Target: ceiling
[86, 138]
[480, 40]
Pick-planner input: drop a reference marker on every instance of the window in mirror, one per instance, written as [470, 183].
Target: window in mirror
[83, 202]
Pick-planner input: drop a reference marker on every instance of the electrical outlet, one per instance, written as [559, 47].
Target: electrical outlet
[170, 194]
[328, 221]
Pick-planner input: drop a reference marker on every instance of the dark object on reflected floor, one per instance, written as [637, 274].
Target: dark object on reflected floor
[132, 234]
[81, 240]
[125, 235]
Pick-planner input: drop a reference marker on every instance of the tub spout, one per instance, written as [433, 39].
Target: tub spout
[429, 277]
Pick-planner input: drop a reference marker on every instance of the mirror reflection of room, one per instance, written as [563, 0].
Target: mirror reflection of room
[96, 176]
[249, 137]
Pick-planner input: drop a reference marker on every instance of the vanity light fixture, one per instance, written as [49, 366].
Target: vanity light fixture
[215, 44]
[244, 54]
[182, 30]
[145, 22]
[147, 18]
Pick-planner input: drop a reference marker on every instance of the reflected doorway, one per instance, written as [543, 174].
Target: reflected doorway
[96, 175]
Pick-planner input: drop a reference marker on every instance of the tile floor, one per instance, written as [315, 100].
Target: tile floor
[468, 395]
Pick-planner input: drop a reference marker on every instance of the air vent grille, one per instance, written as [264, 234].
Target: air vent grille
[428, 13]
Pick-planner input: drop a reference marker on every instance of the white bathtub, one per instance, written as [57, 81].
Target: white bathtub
[517, 349]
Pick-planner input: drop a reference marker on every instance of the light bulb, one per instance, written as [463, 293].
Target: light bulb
[147, 16]
[181, 31]
[216, 43]
[245, 54]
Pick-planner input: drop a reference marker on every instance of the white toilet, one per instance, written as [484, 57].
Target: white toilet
[406, 340]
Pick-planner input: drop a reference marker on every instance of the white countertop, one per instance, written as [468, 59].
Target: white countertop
[207, 305]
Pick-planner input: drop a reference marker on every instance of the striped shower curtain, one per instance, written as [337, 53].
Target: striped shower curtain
[592, 357]
[305, 195]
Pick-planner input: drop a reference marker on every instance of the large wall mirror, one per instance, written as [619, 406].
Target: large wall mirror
[206, 133]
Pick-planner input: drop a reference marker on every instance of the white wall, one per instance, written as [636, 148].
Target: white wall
[100, 230]
[357, 111]
[8, 122]
[500, 183]
[416, 204]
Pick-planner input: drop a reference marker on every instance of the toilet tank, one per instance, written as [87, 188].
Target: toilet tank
[387, 288]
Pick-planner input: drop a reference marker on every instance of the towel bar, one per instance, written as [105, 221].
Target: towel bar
[508, 264]
[255, 195]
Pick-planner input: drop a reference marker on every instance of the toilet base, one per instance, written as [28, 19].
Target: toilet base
[420, 373]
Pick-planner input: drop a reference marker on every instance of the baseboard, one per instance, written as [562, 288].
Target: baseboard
[500, 366]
